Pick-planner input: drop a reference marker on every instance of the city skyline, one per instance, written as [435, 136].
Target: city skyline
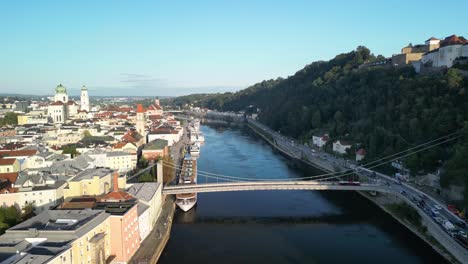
[170, 49]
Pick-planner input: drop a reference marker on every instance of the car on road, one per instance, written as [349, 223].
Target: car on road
[403, 192]
[460, 223]
[438, 207]
[462, 233]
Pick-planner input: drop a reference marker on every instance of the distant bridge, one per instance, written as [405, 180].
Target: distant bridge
[272, 185]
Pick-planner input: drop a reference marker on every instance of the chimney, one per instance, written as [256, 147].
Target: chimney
[116, 181]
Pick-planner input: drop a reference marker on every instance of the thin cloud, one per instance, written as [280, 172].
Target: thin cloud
[142, 80]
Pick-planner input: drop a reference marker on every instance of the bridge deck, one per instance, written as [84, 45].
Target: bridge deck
[271, 185]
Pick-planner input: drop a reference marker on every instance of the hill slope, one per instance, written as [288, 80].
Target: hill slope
[384, 109]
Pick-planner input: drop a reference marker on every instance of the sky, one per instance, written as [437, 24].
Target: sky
[178, 47]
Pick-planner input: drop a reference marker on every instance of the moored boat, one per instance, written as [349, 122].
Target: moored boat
[188, 175]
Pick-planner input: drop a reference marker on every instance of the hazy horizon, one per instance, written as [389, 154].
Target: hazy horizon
[176, 48]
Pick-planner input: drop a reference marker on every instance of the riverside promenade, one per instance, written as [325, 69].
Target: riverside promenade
[152, 247]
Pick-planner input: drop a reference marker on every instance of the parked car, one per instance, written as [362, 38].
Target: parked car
[438, 207]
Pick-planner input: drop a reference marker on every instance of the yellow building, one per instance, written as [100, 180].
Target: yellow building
[9, 165]
[94, 245]
[23, 119]
[96, 181]
[68, 236]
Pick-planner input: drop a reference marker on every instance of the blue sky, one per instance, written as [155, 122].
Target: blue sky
[179, 47]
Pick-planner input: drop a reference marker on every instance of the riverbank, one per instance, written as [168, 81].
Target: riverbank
[153, 246]
[431, 236]
[385, 201]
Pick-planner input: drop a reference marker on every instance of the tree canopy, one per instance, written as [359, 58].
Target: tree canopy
[384, 109]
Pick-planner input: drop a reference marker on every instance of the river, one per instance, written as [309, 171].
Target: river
[282, 226]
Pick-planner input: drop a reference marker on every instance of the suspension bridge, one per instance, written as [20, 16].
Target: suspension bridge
[272, 185]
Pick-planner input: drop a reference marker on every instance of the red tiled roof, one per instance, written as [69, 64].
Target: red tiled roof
[140, 108]
[120, 145]
[57, 103]
[18, 153]
[7, 189]
[12, 146]
[154, 107]
[361, 152]
[132, 136]
[116, 196]
[9, 176]
[453, 40]
[154, 117]
[344, 142]
[122, 116]
[4, 162]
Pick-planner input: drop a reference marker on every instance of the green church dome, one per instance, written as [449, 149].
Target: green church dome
[60, 89]
[84, 88]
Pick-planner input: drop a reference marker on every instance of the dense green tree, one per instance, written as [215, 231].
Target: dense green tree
[385, 109]
[146, 177]
[70, 149]
[142, 162]
[10, 118]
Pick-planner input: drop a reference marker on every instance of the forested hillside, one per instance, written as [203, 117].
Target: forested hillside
[384, 109]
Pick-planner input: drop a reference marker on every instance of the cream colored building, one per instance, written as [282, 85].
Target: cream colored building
[9, 165]
[68, 138]
[121, 161]
[149, 194]
[341, 146]
[89, 182]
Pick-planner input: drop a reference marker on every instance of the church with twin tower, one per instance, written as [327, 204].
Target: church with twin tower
[61, 109]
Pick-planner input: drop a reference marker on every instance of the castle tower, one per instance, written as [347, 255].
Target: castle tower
[84, 99]
[140, 120]
[156, 102]
[61, 94]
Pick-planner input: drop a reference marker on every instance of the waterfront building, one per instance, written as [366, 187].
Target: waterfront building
[320, 140]
[340, 146]
[149, 195]
[170, 134]
[360, 154]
